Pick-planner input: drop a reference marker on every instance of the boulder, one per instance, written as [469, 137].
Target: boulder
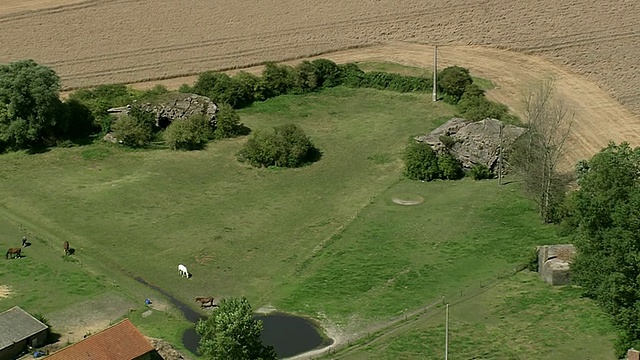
[175, 106]
[474, 142]
[554, 263]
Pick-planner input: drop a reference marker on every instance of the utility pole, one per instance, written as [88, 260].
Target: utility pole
[435, 72]
[446, 335]
[500, 156]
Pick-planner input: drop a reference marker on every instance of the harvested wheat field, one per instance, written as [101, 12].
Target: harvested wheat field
[130, 41]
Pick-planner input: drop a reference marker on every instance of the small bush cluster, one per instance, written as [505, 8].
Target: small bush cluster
[243, 88]
[136, 129]
[286, 146]
[189, 134]
[481, 172]
[422, 163]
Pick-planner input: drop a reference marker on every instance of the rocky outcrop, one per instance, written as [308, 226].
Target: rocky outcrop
[554, 263]
[175, 106]
[473, 142]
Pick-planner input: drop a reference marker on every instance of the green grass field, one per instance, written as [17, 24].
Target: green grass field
[324, 240]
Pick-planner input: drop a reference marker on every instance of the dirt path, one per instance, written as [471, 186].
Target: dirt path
[88, 317]
[598, 117]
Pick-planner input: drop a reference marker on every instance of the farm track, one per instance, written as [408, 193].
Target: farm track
[133, 41]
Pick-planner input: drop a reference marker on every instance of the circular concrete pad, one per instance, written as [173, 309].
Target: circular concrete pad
[408, 200]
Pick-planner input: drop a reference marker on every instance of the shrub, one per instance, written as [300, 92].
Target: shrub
[421, 162]
[351, 75]
[454, 80]
[135, 129]
[251, 85]
[305, 77]
[286, 146]
[187, 134]
[278, 79]
[450, 167]
[228, 123]
[185, 89]
[328, 74]
[77, 121]
[221, 88]
[132, 132]
[103, 97]
[481, 172]
[477, 108]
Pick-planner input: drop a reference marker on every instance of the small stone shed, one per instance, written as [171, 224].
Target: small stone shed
[554, 263]
[18, 331]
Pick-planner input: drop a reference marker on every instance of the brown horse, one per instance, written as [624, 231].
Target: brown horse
[205, 301]
[14, 252]
[65, 245]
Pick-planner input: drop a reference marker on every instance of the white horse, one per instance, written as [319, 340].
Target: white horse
[183, 271]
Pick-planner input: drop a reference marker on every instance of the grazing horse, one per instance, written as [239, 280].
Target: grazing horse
[183, 271]
[205, 301]
[65, 246]
[14, 252]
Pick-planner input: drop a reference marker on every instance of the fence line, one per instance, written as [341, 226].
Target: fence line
[399, 323]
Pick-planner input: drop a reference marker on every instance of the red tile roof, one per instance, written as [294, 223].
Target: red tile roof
[121, 341]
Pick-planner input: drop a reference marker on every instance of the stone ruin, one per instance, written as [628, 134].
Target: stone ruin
[175, 106]
[474, 142]
[554, 262]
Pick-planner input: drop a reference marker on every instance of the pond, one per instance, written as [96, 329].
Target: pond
[288, 334]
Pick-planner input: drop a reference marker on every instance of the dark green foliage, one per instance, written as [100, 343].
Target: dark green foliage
[327, 73]
[189, 134]
[131, 132]
[231, 333]
[221, 88]
[104, 97]
[186, 89]
[228, 123]
[532, 264]
[481, 172]
[476, 108]
[252, 86]
[351, 75]
[421, 162]
[306, 79]
[473, 90]
[136, 129]
[450, 168]
[76, 121]
[153, 93]
[29, 104]
[278, 79]
[607, 216]
[454, 80]
[395, 82]
[286, 146]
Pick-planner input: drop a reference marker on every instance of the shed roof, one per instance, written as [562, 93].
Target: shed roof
[121, 341]
[17, 325]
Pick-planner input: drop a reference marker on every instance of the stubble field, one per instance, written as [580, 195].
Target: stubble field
[133, 41]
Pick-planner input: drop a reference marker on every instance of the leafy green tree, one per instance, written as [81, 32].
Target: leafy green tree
[76, 121]
[607, 217]
[132, 132]
[476, 108]
[221, 88]
[252, 85]
[421, 162]
[351, 75]
[286, 146]
[29, 104]
[454, 80]
[228, 123]
[231, 333]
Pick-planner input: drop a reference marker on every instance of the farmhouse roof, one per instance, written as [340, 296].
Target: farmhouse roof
[121, 341]
[17, 325]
